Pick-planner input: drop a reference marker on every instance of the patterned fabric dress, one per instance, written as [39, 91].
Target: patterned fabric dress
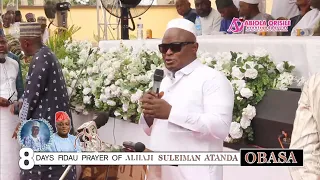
[45, 94]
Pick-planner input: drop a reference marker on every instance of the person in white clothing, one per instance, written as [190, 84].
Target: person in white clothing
[306, 128]
[310, 20]
[210, 19]
[9, 69]
[194, 112]
[249, 10]
[284, 8]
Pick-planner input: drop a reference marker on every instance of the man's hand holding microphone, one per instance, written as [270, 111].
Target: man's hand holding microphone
[153, 105]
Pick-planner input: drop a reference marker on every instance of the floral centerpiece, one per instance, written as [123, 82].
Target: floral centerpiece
[251, 75]
[114, 80]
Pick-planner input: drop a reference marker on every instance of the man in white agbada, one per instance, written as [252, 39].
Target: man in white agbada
[249, 10]
[9, 69]
[306, 128]
[284, 8]
[210, 19]
[310, 20]
[34, 141]
[193, 112]
[261, 6]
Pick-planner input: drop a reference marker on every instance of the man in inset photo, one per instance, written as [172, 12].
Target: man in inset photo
[34, 141]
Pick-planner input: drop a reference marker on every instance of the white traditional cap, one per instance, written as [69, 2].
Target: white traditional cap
[182, 24]
[251, 1]
[236, 3]
[36, 124]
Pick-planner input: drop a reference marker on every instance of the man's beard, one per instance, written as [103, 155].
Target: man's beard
[2, 57]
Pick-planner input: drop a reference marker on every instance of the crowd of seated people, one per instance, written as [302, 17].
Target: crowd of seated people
[304, 14]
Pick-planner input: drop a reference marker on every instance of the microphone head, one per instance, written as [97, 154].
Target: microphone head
[139, 147]
[158, 75]
[101, 119]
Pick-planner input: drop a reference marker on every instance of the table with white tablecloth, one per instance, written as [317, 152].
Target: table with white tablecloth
[303, 52]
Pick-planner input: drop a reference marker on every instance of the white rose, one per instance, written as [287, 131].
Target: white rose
[69, 89]
[111, 76]
[113, 87]
[239, 98]
[260, 52]
[280, 67]
[86, 99]
[125, 107]
[126, 93]
[107, 82]
[208, 60]
[245, 122]
[243, 56]
[249, 65]
[95, 69]
[136, 96]
[251, 73]
[72, 74]
[85, 84]
[116, 113]
[89, 70]
[86, 91]
[97, 103]
[246, 92]
[237, 73]
[118, 82]
[235, 130]
[111, 103]
[104, 98]
[239, 84]
[125, 118]
[73, 83]
[249, 112]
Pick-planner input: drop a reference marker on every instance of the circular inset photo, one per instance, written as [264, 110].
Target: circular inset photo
[35, 134]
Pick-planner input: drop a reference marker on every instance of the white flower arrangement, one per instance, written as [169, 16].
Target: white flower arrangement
[251, 75]
[114, 80]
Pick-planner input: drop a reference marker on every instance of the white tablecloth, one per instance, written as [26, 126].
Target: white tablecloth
[303, 52]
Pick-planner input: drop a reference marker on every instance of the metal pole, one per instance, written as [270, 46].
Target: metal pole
[17, 4]
[98, 18]
[105, 23]
[1, 4]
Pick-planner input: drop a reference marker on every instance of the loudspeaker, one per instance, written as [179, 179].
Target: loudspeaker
[275, 114]
[62, 17]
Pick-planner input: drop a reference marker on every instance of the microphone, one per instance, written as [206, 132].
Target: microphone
[137, 147]
[157, 78]
[88, 132]
[84, 66]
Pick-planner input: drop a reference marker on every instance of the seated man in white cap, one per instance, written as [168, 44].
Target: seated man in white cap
[249, 10]
[34, 141]
[309, 20]
[193, 112]
[210, 18]
[306, 128]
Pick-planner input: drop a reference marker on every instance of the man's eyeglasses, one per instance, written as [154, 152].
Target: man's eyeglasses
[174, 47]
